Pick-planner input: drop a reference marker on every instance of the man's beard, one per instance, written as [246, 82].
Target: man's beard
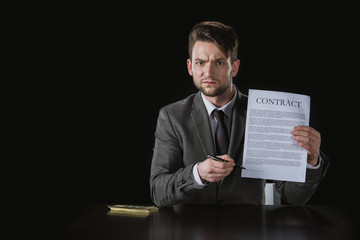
[213, 92]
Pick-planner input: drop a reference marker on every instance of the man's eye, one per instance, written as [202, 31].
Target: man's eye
[220, 63]
[199, 63]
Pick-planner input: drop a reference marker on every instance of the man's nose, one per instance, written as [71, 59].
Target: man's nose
[209, 70]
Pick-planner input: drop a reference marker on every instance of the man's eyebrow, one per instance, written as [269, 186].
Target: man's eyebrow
[199, 59]
[217, 59]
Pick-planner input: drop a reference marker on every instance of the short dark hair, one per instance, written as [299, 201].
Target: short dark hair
[222, 35]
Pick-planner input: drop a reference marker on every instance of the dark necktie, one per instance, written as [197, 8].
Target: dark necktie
[221, 134]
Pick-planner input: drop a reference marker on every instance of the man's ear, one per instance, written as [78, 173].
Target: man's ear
[235, 67]
[188, 62]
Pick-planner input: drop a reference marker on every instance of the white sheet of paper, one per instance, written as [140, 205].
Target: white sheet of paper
[270, 152]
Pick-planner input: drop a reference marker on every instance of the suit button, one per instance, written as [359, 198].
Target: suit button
[181, 182]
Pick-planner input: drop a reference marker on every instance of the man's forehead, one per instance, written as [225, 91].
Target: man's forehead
[204, 50]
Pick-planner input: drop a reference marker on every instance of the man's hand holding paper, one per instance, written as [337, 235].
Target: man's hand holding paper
[310, 140]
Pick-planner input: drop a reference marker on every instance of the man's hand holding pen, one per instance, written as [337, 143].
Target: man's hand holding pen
[212, 170]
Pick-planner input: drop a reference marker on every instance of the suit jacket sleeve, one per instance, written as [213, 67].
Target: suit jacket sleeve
[300, 193]
[170, 181]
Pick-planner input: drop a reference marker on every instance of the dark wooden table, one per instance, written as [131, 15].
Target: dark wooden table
[221, 222]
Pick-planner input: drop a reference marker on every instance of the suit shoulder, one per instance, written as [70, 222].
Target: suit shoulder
[180, 106]
[243, 97]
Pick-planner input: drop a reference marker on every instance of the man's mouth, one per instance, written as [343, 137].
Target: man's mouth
[209, 82]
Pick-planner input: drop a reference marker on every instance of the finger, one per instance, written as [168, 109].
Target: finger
[307, 140]
[311, 148]
[228, 162]
[221, 165]
[307, 136]
[219, 175]
[306, 130]
[226, 157]
[214, 179]
[304, 145]
[217, 171]
[301, 133]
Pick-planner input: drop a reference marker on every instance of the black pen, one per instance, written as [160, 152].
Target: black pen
[223, 160]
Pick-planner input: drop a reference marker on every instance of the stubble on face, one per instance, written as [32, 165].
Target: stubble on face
[211, 87]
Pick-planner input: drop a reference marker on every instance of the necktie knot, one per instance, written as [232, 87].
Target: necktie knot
[219, 115]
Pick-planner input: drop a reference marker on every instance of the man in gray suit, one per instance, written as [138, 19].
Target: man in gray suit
[181, 172]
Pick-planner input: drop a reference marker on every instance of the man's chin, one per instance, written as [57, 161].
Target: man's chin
[212, 92]
[208, 91]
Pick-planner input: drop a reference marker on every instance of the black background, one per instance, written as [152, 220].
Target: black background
[107, 73]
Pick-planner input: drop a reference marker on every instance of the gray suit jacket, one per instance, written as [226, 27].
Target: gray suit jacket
[183, 138]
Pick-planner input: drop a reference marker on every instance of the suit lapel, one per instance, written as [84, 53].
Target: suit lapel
[201, 122]
[238, 128]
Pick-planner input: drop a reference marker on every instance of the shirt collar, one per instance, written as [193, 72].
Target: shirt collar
[227, 109]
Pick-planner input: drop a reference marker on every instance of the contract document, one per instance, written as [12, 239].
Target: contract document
[270, 152]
